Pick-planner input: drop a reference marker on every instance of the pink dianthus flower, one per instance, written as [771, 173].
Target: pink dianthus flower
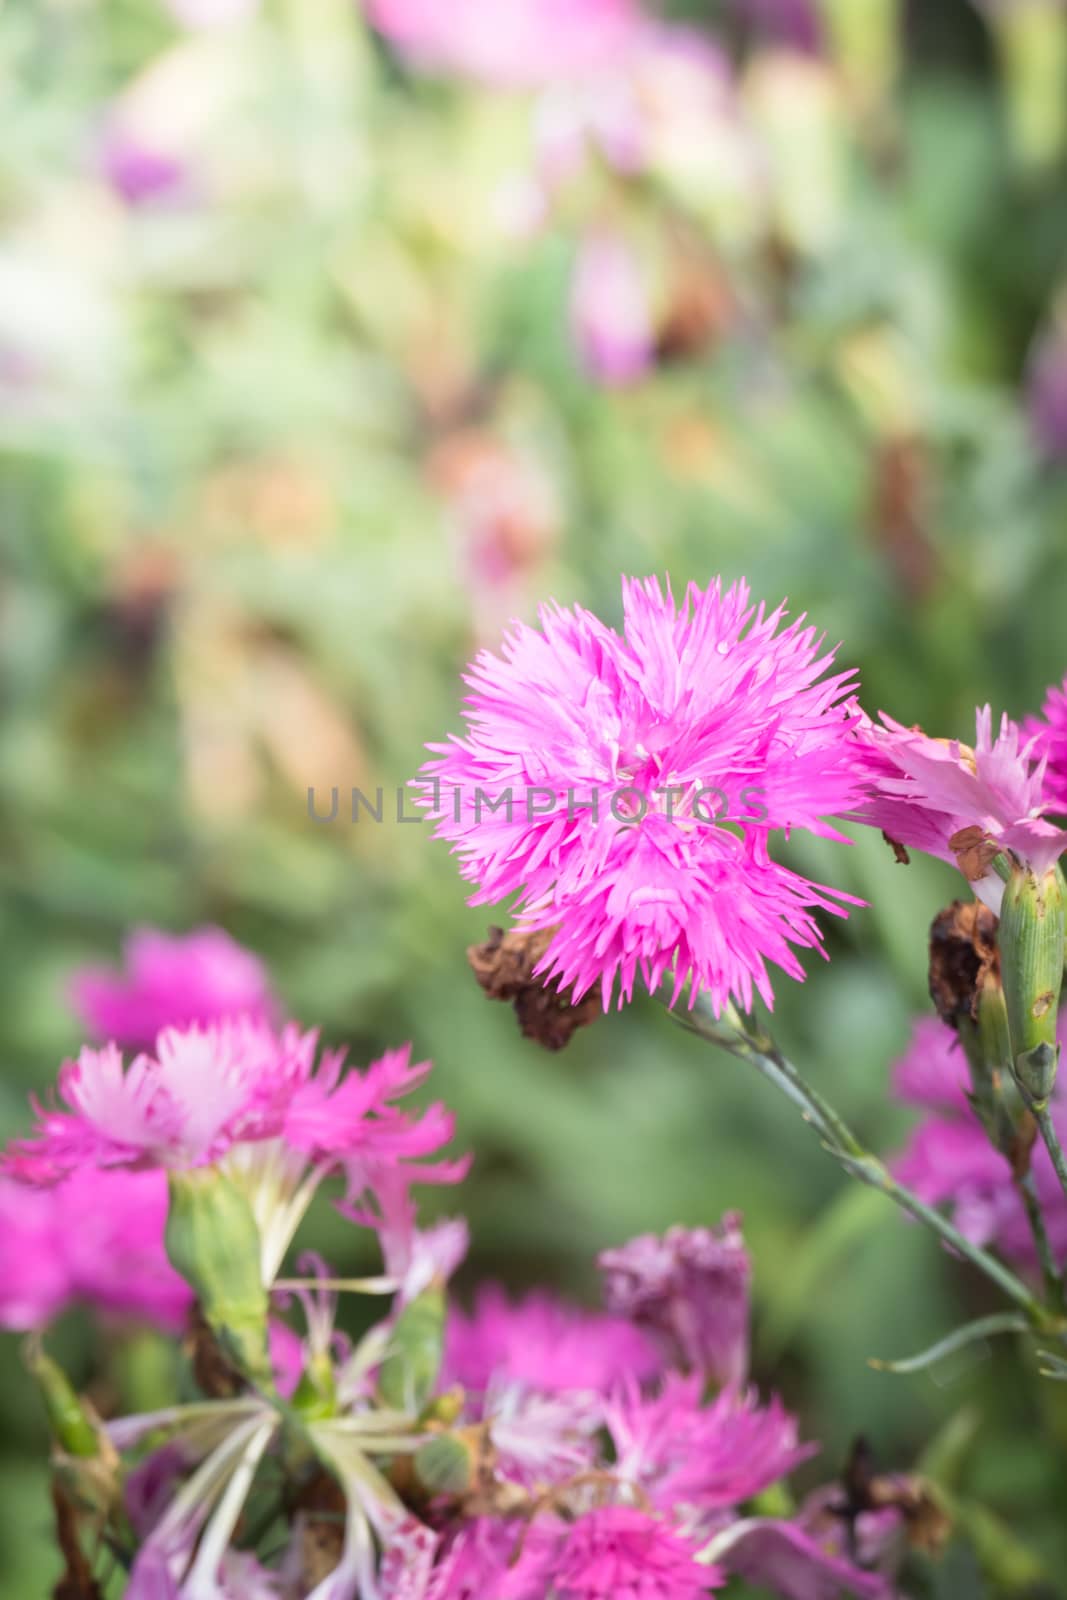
[691, 1287]
[1048, 736]
[960, 804]
[701, 732]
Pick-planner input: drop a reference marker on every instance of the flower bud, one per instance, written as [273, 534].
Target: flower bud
[447, 1464]
[410, 1368]
[70, 1423]
[1031, 941]
[213, 1241]
[83, 1458]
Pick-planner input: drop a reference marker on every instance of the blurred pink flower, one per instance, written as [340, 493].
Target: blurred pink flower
[208, 1090]
[494, 1560]
[171, 980]
[611, 314]
[95, 1239]
[138, 172]
[1048, 736]
[714, 697]
[690, 1286]
[949, 1161]
[708, 1457]
[929, 794]
[543, 1343]
[621, 1552]
[509, 43]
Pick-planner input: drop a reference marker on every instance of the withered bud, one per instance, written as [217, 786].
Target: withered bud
[504, 966]
[926, 1520]
[963, 958]
[927, 1523]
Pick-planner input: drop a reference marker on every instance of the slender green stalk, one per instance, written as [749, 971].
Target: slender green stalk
[1052, 1144]
[743, 1038]
[1050, 1273]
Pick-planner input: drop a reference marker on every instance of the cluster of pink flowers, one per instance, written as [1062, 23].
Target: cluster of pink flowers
[639, 1477]
[607, 1452]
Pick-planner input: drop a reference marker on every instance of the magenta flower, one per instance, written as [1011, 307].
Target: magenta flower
[1048, 741]
[538, 1372]
[495, 1559]
[957, 803]
[171, 981]
[611, 762]
[620, 1553]
[611, 311]
[240, 1094]
[691, 1287]
[510, 44]
[95, 1239]
[543, 1344]
[949, 1161]
[209, 1089]
[680, 1452]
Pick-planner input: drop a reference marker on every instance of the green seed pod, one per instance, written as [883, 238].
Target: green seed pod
[213, 1241]
[445, 1465]
[1031, 938]
[413, 1360]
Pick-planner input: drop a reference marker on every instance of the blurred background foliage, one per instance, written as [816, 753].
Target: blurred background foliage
[293, 416]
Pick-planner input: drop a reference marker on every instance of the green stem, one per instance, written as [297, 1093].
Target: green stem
[741, 1037]
[1052, 1144]
[1049, 1271]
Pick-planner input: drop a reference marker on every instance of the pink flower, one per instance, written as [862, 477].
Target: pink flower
[611, 311]
[489, 1559]
[544, 1344]
[209, 1089]
[171, 981]
[785, 1558]
[414, 1257]
[949, 1161]
[691, 1287]
[95, 1239]
[620, 1553]
[959, 804]
[1048, 736]
[612, 759]
[511, 43]
[680, 1452]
